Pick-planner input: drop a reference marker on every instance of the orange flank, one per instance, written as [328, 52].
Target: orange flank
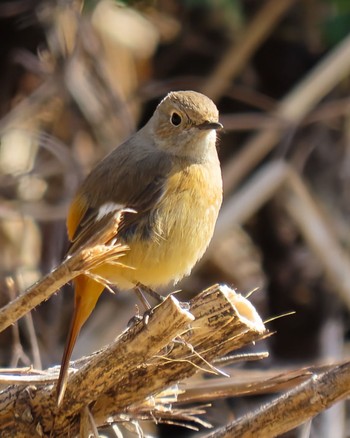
[76, 212]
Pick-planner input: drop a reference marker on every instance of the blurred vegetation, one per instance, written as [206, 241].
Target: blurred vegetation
[76, 81]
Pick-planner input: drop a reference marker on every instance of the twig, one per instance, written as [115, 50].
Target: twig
[224, 321]
[304, 210]
[33, 341]
[32, 338]
[86, 258]
[256, 121]
[293, 408]
[244, 383]
[239, 53]
[302, 207]
[293, 108]
[161, 353]
[17, 348]
[250, 382]
[251, 197]
[96, 377]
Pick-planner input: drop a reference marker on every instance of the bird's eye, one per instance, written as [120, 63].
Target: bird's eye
[176, 119]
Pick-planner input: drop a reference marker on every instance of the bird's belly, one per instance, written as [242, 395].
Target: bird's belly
[167, 258]
[184, 225]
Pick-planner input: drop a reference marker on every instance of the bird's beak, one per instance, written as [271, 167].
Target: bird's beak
[210, 125]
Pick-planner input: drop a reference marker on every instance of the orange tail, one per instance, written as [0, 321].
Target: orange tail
[87, 293]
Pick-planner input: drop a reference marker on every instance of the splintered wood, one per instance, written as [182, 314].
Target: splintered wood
[173, 342]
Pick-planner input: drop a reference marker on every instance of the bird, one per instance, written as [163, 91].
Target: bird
[168, 176]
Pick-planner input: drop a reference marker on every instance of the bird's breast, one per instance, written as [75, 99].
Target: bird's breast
[182, 226]
[189, 208]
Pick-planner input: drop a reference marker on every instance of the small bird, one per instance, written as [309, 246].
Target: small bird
[169, 173]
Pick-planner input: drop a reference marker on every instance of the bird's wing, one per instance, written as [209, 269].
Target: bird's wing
[121, 183]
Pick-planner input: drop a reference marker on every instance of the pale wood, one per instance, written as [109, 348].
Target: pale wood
[293, 108]
[279, 178]
[86, 258]
[218, 328]
[293, 408]
[303, 208]
[143, 361]
[260, 188]
[251, 382]
[241, 51]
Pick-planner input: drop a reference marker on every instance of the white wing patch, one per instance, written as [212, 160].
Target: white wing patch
[107, 208]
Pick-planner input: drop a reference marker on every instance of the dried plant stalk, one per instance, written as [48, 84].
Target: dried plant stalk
[302, 206]
[293, 408]
[143, 361]
[240, 52]
[86, 258]
[223, 323]
[293, 108]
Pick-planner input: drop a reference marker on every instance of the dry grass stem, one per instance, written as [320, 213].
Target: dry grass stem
[85, 258]
[293, 408]
[279, 178]
[160, 352]
[293, 108]
[240, 52]
[303, 208]
[261, 187]
[250, 382]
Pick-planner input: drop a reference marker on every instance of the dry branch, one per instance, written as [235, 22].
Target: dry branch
[240, 52]
[293, 408]
[260, 188]
[302, 206]
[94, 252]
[172, 345]
[251, 382]
[293, 108]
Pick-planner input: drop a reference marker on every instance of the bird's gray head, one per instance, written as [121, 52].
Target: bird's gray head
[185, 123]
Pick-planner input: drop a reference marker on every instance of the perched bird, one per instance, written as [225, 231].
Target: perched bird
[169, 173]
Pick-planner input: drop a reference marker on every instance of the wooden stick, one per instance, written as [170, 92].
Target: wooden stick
[143, 361]
[305, 212]
[240, 52]
[260, 188]
[224, 321]
[301, 205]
[293, 408]
[89, 256]
[293, 108]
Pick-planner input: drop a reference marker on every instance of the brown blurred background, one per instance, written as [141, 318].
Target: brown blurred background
[77, 79]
